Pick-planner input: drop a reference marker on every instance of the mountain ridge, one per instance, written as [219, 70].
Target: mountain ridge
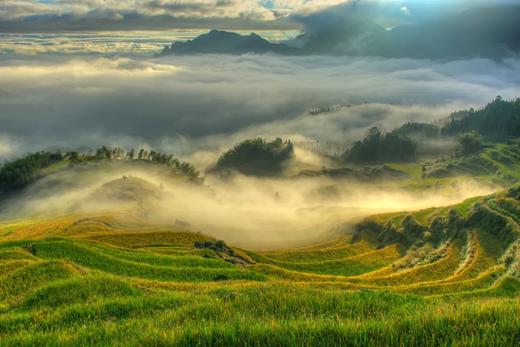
[483, 32]
[226, 42]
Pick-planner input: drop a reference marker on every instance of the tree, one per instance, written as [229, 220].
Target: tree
[19, 173]
[378, 147]
[73, 156]
[500, 119]
[256, 157]
[470, 142]
[103, 153]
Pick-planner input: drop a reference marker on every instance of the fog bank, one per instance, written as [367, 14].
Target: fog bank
[195, 106]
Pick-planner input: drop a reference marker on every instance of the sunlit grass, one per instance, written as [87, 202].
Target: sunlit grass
[110, 281]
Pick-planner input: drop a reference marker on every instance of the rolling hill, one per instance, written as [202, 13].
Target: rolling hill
[85, 258]
[432, 276]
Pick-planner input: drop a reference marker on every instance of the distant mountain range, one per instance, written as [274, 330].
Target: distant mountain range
[225, 42]
[484, 32]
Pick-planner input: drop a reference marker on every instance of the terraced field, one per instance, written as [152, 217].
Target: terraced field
[498, 163]
[435, 277]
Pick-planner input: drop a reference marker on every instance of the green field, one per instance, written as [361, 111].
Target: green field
[114, 280]
[443, 276]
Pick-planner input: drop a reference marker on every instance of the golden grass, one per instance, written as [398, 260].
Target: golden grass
[320, 253]
[152, 268]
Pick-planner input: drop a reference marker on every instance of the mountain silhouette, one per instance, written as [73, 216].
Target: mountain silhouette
[483, 32]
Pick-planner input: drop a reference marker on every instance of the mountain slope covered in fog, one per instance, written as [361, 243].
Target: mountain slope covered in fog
[489, 32]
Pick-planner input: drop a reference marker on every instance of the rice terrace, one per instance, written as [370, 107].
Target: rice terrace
[259, 173]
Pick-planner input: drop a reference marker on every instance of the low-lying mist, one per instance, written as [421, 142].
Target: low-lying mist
[197, 107]
[198, 104]
[245, 211]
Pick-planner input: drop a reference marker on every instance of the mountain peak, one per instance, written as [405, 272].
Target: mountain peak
[227, 42]
[489, 33]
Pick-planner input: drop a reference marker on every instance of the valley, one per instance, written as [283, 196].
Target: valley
[116, 247]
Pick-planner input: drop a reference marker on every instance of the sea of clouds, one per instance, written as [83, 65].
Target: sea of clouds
[196, 106]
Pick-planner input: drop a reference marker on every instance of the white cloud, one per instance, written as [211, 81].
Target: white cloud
[116, 9]
[206, 103]
[9, 147]
[98, 15]
[108, 43]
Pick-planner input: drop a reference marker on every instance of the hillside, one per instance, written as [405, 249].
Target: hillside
[118, 248]
[128, 189]
[70, 278]
[260, 173]
[497, 163]
[378, 147]
[17, 174]
[477, 143]
[255, 157]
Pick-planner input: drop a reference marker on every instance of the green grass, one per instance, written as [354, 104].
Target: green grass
[498, 163]
[16, 284]
[78, 290]
[115, 281]
[147, 266]
[342, 250]
[349, 266]
[274, 315]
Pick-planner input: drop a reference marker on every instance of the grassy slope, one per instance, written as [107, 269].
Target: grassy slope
[498, 163]
[113, 279]
[124, 286]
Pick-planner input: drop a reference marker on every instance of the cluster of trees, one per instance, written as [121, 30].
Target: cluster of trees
[499, 120]
[415, 129]
[470, 142]
[380, 147]
[18, 173]
[179, 167]
[256, 157]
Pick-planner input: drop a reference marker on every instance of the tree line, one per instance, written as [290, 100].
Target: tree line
[18, 173]
[498, 120]
[380, 147]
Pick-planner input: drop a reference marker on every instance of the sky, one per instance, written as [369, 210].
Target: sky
[67, 15]
[196, 107]
[80, 74]
[70, 88]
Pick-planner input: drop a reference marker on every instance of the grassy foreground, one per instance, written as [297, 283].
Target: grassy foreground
[436, 277]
